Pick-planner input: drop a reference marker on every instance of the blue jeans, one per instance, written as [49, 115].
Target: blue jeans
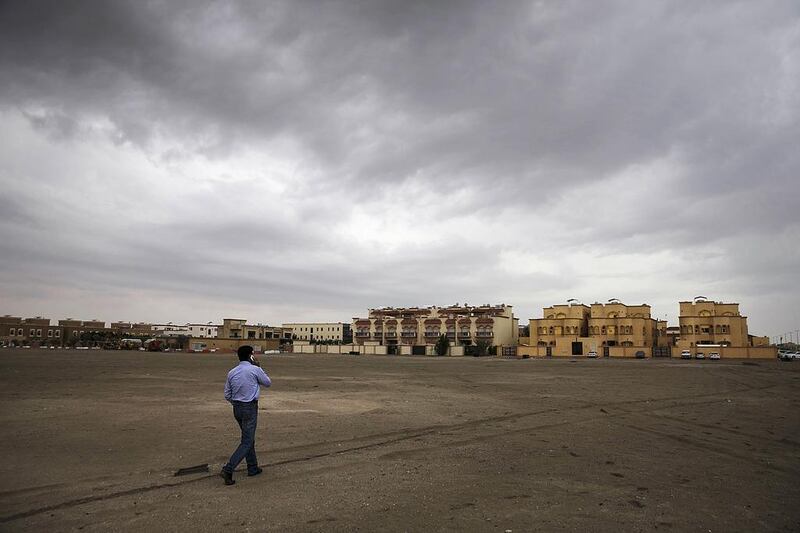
[246, 414]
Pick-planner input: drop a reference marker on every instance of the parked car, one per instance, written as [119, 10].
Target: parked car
[714, 356]
[640, 354]
[699, 355]
[686, 354]
[789, 356]
[592, 354]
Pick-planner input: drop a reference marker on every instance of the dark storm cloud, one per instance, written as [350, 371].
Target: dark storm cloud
[505, 89]
[654, 126]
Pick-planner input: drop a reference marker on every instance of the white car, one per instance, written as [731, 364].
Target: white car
[699, 355]
[714, 356]
[592, 354]
[686, 354]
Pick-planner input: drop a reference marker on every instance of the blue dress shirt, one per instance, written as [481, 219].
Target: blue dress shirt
[243, 381]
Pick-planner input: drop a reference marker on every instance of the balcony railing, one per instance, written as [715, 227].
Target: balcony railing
[391, 334]
[432, 333]
[485, 334]
[464, 334]
[408, 334]
[362, 333]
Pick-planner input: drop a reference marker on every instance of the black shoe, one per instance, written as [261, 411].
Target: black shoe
[228, 477]
[255, 472]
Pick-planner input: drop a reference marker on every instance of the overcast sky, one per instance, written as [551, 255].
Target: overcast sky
[305, 161]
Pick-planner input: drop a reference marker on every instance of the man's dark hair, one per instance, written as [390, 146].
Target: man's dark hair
[244, 352]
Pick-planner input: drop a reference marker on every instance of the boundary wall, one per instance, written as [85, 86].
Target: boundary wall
[725, 352]
[366, 349]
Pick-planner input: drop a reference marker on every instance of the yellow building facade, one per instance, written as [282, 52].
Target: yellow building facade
[706, 322]
[559, 321]
[617, 324]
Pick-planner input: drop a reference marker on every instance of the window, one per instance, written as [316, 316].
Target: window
[19, 332]
[12, 332]
[38, 332]
[49, 333]
[58, 333]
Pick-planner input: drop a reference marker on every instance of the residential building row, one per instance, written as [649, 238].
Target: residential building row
[421, 327]
[616, 328]
[38, 330]
[565, 329]
[18, 330]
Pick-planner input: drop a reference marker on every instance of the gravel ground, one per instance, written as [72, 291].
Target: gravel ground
[353, 443]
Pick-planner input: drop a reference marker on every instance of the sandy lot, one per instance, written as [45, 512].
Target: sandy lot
[91, 441]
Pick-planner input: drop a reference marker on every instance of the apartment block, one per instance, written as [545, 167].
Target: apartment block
[38, 331]
[707, 322]
[463, 325]
[320, 331]
[563, 320]
[617, 324]
[238, 328]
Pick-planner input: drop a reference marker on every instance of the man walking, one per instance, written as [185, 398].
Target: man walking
[241, 389]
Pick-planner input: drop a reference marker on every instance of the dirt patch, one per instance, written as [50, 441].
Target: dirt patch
[92, 442]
